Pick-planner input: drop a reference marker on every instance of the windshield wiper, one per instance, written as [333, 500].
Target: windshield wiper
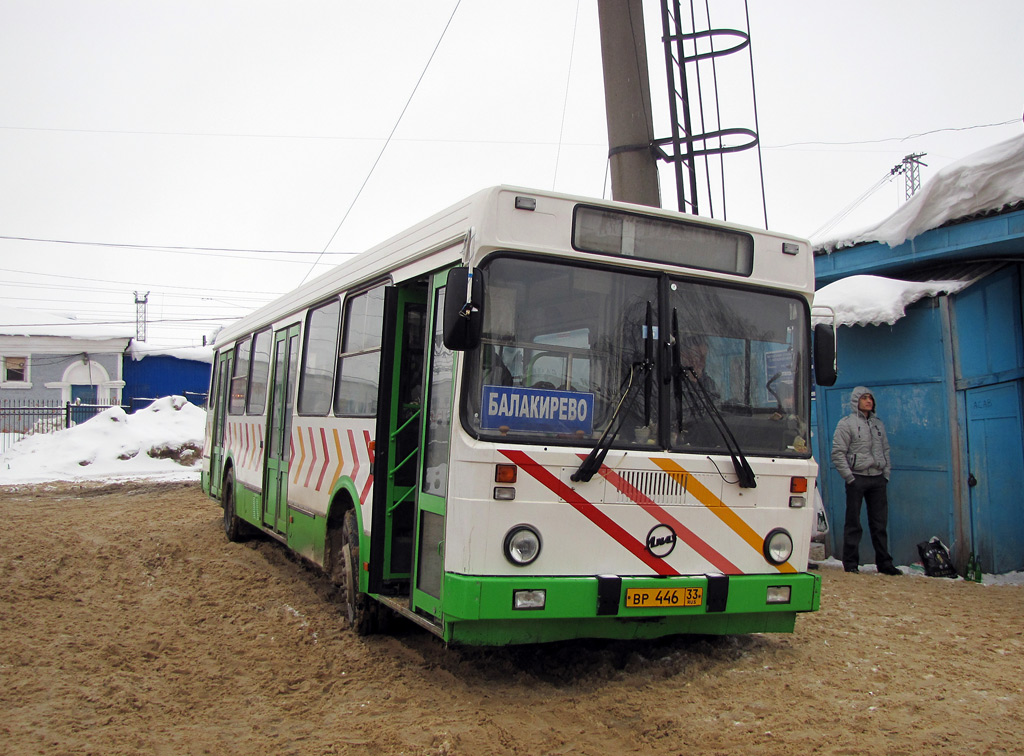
[589, 466]
[701, 400]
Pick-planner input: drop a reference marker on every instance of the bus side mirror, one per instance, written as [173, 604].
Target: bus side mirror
[463, 309]
[825, 372]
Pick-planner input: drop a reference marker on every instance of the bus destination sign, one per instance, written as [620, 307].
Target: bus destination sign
[533, 410]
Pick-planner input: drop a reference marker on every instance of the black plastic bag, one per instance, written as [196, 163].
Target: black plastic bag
[935, 558]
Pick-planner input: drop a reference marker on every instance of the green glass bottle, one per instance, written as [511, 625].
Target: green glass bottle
[969, 570]
[977, 568]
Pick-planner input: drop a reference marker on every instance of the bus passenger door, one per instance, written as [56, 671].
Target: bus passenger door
[279, 429]
[399, 418]
[433, 466]
[218, 406]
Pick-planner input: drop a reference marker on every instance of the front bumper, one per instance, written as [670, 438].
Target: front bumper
[480, 610]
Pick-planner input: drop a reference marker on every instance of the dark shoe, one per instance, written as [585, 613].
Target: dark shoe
[890, 570]
[851, 569]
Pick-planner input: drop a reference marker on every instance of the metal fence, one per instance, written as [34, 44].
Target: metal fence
[24, 418]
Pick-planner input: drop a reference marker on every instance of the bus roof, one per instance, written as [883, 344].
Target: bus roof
[439, 241]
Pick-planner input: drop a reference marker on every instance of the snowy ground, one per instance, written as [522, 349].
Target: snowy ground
[916, 570]
[161, 442]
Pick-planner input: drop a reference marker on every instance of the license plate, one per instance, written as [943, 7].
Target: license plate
[645, 598]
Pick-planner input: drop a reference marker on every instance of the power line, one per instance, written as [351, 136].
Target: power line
[565, 96]
[203, 295]
[109, 312]
[129, 322]
[326, 137]
[388, 141]
[835, 220]
[167, 248]
[125, 283]
[891, 139]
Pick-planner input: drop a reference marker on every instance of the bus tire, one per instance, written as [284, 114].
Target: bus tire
[234, 528]
[362, 615]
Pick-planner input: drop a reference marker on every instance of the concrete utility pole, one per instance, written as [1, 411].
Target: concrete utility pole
[627, 98]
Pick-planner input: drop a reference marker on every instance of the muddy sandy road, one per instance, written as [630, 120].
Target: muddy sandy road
[129, 625]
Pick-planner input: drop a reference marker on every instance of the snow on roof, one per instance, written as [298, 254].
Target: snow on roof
[874, 300]
[140, 350]
[16, 322]
[987, 181]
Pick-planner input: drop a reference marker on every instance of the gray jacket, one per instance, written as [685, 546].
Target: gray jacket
[860, 445]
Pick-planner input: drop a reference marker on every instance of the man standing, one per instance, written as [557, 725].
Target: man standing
[860, 452]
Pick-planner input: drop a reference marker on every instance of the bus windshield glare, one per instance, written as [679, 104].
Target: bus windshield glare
[568, 349]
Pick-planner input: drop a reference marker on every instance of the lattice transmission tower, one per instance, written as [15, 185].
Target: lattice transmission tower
[141, 300]
[910, 167]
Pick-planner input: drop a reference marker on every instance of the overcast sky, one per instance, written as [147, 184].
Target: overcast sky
[150, 137]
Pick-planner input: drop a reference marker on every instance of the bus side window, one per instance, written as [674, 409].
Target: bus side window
[359, 361]
[239, 378]
[259, 373]
[318, 361]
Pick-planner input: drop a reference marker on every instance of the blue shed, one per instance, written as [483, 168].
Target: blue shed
[948, 377]
[153, 373]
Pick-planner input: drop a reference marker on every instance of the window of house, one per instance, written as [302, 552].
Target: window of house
[15, 369]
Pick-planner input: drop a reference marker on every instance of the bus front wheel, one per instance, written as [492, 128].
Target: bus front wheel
[234, 528]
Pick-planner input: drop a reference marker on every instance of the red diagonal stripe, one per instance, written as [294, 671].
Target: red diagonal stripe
[690, 538]
[369, 445]
[355, 454]
[369, 478]
[327, 459]
[588, 510]
[312, 462]
[250, 445]
[258, 462]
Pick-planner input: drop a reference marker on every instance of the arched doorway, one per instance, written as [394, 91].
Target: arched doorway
[86, 382]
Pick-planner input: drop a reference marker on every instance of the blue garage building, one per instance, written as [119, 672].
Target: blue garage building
[151, 373]
[948, 374]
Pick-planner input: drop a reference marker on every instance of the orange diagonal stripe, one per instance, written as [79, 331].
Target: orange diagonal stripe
[302, 457]
[341, 459]
[720, 510]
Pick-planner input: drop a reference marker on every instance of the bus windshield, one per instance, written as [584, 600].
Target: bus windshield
[568, 349]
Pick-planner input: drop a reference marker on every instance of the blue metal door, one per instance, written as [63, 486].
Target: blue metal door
[996, 461]
[83, 403]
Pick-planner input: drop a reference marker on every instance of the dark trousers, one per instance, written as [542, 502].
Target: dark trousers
[869, 488]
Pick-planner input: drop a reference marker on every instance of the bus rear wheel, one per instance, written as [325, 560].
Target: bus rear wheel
[362, 614]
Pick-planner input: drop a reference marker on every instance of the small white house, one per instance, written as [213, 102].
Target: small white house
[53, 358]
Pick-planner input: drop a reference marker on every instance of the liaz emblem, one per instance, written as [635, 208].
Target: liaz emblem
[661, 540]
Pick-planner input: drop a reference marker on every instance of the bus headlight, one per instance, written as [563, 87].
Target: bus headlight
[522, 545]
[778, 546]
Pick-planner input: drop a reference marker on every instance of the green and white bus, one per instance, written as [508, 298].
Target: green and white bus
[536, 417]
